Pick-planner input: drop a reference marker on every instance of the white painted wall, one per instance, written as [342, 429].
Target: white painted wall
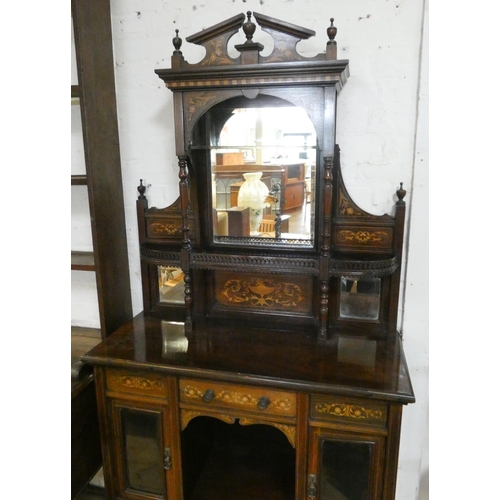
[382, 131]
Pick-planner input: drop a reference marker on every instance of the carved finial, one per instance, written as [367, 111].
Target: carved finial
[249, 28]
[142, 189]
[331, 32]
[401, 193]
[177, 41]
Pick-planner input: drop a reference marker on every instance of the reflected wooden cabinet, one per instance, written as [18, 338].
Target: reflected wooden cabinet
[266, 364]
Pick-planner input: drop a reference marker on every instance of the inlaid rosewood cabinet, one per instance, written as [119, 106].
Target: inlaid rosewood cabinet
[266, 363]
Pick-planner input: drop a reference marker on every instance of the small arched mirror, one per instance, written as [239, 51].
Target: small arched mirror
[263, 167]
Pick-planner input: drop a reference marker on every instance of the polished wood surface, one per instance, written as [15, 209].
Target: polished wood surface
[344, 365]
[215, 387]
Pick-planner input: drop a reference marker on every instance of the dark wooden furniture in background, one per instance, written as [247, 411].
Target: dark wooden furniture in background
[283, 374]
[291, 176]
[109, 258]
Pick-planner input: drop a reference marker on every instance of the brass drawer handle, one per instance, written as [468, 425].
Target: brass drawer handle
[208, 396]
[263, 403]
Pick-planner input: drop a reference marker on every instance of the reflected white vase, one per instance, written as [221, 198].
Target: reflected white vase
[252, 194]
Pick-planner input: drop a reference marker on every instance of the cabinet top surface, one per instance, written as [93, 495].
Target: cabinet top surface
[343, 365]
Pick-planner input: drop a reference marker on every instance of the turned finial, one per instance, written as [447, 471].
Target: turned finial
[249, 28]
[401, 193]
[331, 32]
[177, 41]
[142, 189]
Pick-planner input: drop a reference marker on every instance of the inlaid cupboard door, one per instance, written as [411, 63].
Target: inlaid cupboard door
[143, 451]
[344, 465]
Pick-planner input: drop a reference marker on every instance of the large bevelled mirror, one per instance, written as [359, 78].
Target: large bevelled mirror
[263, 170]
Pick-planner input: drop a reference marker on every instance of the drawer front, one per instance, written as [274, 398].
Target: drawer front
[237, 397]
[348, 411]
[139, 384]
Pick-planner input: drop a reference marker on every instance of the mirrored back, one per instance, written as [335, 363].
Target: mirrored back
[263, 174]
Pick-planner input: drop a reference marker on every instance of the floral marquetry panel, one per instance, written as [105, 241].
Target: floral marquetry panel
[239, 398]
[351, 411]
[264, 292]
[288, 430]
[359, 237]
[164, 225]
[139, 384]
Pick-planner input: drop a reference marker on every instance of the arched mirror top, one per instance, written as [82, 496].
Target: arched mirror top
[255, 116]
[263, 157]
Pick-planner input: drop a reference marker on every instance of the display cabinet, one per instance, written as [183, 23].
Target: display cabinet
[267, 362]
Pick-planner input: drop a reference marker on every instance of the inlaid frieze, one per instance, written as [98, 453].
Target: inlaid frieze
[160, 229]
[325, 407]
[288, 430]
[363, 236]
[135, 384]
[264, 292]
[240, 398]
[188, 415]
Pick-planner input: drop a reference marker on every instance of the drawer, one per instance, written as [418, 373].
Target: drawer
[237, 397]
[348, 411]
[139, 384]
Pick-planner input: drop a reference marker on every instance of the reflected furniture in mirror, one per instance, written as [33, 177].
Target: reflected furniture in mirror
[267, 361]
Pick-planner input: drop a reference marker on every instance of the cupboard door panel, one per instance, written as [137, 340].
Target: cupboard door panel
[345, 466]
[143, 451]
[143, 456]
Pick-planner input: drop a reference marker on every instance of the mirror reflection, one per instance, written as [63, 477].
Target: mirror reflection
[263, 173]
[171, 284]
[360, 298]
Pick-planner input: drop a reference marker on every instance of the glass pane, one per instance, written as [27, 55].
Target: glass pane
[345, 470]
[360, 298]
[143, 451]
[263, 172]
[171, 284]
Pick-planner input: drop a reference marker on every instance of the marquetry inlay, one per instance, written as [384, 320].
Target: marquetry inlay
[355, 412]
[363, 237]
[216, 49]
[141, 383]
[238, 398]
[287, 430]
[135, 384]
[222, 82]
[262, 292]
[198, 101]
[160, 228]
[346, 208]
[188, 415]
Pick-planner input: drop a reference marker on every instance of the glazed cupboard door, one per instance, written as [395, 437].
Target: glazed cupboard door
[344, 466]
[143, 451]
